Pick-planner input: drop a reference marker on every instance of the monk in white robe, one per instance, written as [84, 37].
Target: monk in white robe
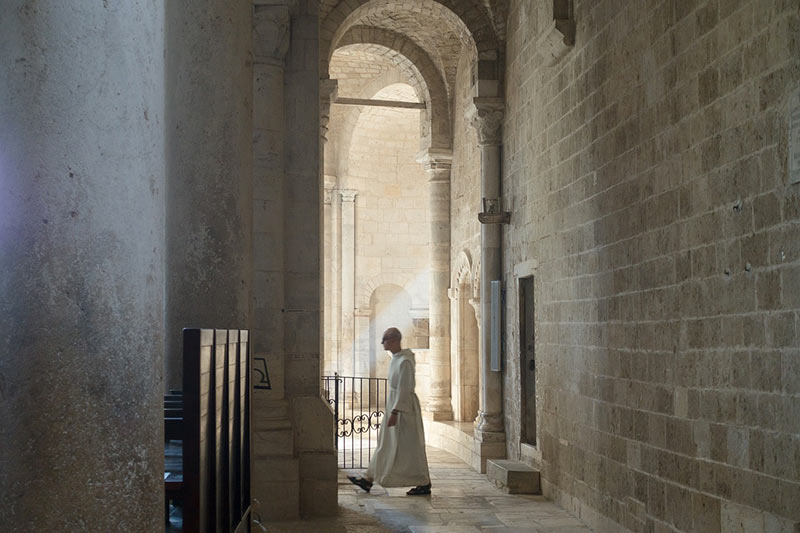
[400, 458]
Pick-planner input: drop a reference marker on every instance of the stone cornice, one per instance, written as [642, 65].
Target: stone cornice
[434, 159]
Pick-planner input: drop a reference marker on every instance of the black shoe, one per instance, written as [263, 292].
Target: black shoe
[420, 490]
[361, 482]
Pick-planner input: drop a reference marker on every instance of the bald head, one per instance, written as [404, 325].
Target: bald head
[391, 340]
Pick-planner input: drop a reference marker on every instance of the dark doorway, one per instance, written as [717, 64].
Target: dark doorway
[527, 360]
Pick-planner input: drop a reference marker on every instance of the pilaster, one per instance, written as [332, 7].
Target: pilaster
[486, 116]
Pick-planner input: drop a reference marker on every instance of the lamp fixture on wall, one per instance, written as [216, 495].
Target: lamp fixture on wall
[492, 214]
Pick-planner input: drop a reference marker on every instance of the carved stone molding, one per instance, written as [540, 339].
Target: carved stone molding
[434, 160]
[486, 116]
[271, 25]
[348, 195]
[328, 90]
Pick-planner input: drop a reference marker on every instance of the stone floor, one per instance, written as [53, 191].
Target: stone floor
[462, 501]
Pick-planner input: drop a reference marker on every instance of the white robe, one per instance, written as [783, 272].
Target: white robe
[400, 459]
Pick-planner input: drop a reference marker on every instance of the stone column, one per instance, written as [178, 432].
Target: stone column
[336, 277]
[437, 165]
[486, 115]
[270, 45]
[327, 92]
[348, 239]
[209, 170]
[327, 290]
[82, 167]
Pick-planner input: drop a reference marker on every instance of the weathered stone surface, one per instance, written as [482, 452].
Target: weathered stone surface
[513, 477]
[81, 265]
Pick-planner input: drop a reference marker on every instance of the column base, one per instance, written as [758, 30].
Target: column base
[438, 409]
[489, 423]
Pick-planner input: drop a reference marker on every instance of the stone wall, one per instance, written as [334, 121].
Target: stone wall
[647, 175]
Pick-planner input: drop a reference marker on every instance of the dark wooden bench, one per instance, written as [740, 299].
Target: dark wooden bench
[207, 433]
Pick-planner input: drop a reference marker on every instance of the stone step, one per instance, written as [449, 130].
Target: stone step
[513, 477]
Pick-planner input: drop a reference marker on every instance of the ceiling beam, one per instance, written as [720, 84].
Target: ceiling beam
[379, 103]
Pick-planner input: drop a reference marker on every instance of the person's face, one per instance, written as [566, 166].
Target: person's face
[390, 342]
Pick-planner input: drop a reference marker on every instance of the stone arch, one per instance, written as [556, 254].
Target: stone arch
[351, 120]
[462, 270]
[472, 21]
[391, 305]
[404, 280]
[464, 366]
[425, 77]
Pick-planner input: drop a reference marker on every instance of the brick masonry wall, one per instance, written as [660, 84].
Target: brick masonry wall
[647, 174]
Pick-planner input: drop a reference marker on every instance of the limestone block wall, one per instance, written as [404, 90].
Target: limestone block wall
[647, 175]
[465, 179]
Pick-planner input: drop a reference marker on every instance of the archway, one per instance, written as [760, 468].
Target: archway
[465, 371]
[391, 307]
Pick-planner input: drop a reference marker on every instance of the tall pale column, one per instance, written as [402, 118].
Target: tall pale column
[327, 92]
[348, 239]
[327, 290]
[336, 278]
[437, 165]
[486, 115]
[82, 166]
[209, 170]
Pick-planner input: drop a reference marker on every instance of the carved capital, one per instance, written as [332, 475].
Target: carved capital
[327, 197]
[348, 195]
[271, 34]
[328, 90]
[486, 116]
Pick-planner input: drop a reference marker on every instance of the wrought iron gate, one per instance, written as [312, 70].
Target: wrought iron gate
[359, 405]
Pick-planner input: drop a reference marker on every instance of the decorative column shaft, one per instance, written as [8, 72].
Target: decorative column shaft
[486, 115]
[348, 235]
[437, 165]
[82, 165]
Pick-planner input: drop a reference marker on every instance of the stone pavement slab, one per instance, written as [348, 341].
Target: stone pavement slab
[463, 501]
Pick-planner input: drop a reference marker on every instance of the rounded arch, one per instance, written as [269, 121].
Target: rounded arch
[472, 22]
[425, 77]
[462, 271]
[404, 280]
[347, 128]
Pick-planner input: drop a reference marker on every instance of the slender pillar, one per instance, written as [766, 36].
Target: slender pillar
[327, 92]
[81, 265]
[208, 121]
[336, 278]
[486, 115]
[327, 291]
[437, 165]
[348, 342]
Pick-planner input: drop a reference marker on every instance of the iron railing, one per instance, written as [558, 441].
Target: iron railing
[359, 405]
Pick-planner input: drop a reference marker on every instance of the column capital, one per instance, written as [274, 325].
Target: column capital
[486, 116]
[435, 159]
[348, 195]
[271, 33]
[328, 89]
[327, 197]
